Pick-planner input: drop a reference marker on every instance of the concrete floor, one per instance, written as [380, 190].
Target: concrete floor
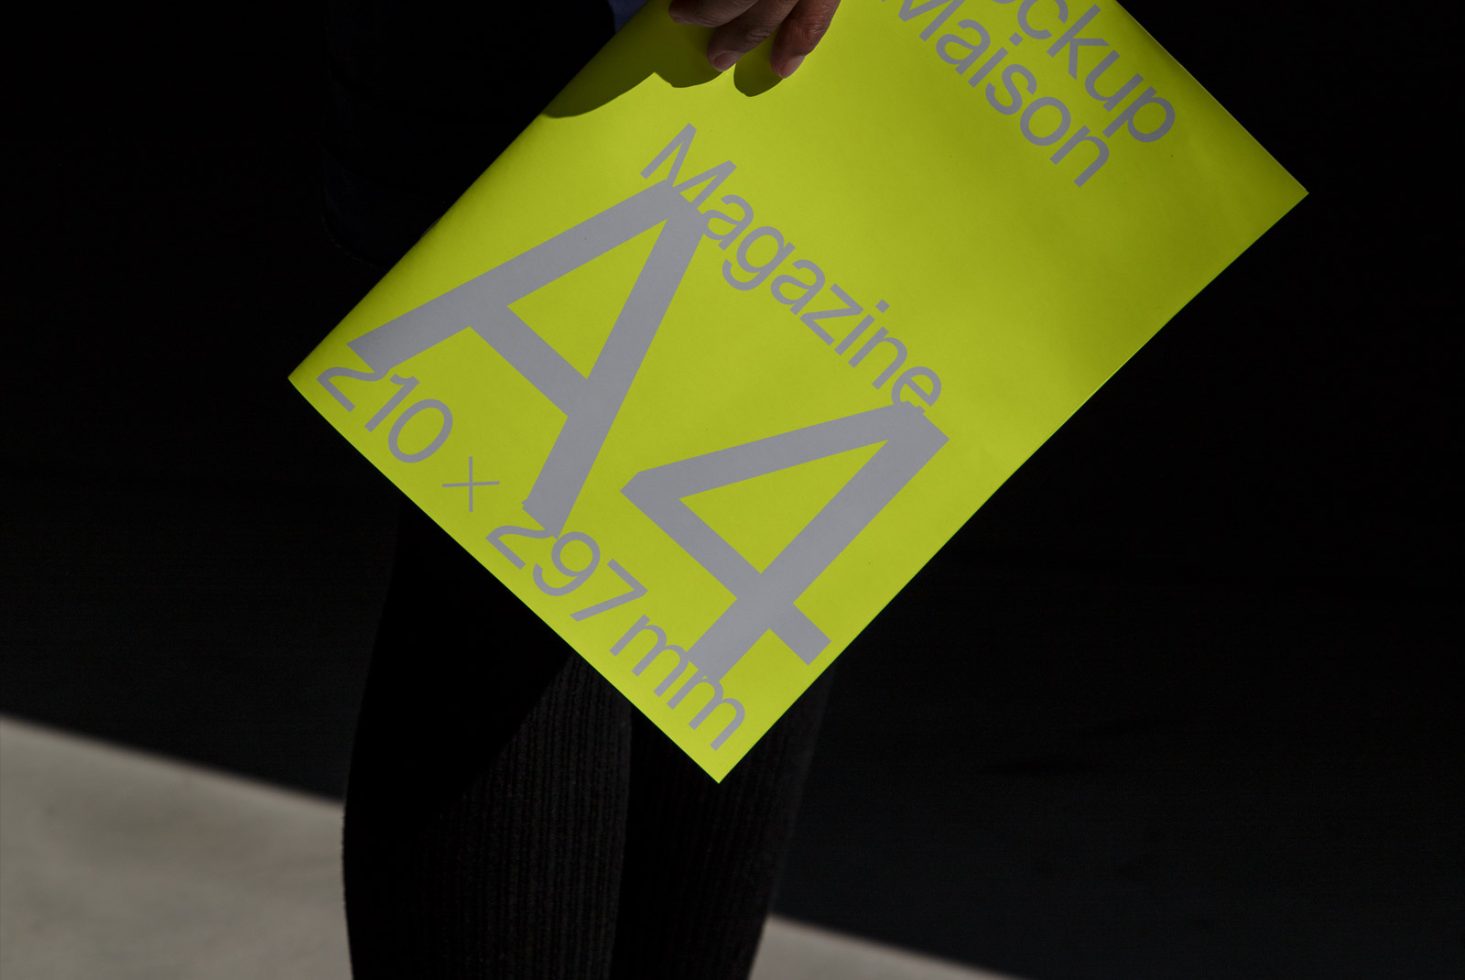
[124, 865]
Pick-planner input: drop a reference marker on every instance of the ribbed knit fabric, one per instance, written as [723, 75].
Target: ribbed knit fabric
[702, 858]
[509, 815]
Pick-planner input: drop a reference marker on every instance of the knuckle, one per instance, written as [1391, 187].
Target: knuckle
[755, 34]
[804, 35]
[703, 13]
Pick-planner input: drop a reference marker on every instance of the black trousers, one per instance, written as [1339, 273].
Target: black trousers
[513, 817]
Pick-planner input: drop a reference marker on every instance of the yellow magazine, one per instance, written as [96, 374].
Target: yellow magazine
[704, 368]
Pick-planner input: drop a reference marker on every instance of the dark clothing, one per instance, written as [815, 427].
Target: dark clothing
[515, 817]
[422, 95]
[509, 816]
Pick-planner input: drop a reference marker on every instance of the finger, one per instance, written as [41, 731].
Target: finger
[707, 13]
[801, 32]
[744, 33]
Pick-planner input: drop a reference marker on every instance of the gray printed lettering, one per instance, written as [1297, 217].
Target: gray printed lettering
[759, 272]
[960, 52]
[1071, 40]
[764, 601]
[881, 336]
[1091, 83]
[681, 143]
[805, 290]
[1059, 131]
[735, 225]
[590, 403]
[659, 645]
[716, 699]
[1127, 116]
[1038, 33]
[850, 308]
[908, 381]
[1082, 135]
[909, 10]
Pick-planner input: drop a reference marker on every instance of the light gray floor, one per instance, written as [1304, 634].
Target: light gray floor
[122, 865]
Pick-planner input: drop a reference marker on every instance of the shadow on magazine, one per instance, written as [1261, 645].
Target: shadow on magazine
[677, 54]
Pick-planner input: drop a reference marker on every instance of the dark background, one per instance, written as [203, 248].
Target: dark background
[1195, 664]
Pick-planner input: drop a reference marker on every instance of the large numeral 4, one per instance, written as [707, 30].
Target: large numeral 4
[765, 600]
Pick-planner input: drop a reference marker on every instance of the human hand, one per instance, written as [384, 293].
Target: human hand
[739, 26]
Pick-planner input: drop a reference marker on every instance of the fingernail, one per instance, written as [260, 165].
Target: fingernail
[678, 11]
[723, 60]
[791, 65]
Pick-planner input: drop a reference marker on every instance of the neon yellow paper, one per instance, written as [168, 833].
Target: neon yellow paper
[705, 368]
